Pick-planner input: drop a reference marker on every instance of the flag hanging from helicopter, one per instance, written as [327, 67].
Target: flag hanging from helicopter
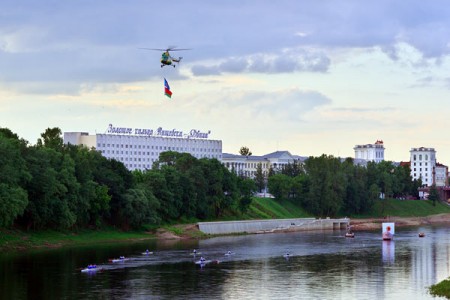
[167, 91]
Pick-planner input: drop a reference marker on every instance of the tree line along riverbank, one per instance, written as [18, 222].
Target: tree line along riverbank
[404, 213]
[57, 186]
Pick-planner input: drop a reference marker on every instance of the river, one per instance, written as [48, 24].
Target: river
[322, 265]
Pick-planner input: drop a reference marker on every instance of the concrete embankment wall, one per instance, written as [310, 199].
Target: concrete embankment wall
[260, 226]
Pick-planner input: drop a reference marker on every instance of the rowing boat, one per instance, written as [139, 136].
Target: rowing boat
[91, 270]
[203, 262]
[116, 260]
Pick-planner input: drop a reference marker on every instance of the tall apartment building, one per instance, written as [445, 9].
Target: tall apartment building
[370, 152]
[139, 148]
[423, 164]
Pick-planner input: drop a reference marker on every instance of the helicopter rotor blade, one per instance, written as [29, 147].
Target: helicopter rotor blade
[175, 48]
[153, 49]
[181, 49]
[172, 48]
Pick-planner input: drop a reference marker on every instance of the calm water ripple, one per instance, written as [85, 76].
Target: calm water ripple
[322, 265]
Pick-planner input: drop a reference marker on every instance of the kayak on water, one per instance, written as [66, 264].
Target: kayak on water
[86, 270]
[202, 262]
[120, 259]
[91, 268]
[229, 253]
[207, 261]
[147, 253]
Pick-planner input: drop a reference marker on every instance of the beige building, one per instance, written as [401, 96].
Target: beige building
[440, 175]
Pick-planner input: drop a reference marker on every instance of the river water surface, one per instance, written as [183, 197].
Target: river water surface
[321, 265]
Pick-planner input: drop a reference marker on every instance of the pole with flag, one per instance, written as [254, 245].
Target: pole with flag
[167, 91]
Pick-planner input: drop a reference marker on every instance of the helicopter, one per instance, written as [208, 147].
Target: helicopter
[166, 58]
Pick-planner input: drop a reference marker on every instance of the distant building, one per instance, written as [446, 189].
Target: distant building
[441, 177]
[423, 164]
[139, 148]
[246, 165]
[370, 152]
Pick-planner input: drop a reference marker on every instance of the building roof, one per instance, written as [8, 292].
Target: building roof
[277, 154]
[422, 149]
[405, 163]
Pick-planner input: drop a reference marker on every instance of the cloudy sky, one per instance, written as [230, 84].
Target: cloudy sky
[310, 77]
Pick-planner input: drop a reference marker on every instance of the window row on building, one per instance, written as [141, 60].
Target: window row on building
[135, 151]
[140, 152]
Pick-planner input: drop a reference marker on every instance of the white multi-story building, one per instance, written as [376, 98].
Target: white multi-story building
[370, 152]
[423, 164]
[246, 165]
[139, 148]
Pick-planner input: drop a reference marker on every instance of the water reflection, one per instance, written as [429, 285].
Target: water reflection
[388, 251]
[321, 265]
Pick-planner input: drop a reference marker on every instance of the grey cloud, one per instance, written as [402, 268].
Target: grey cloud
[234, 65]
[447, 81]
[86, 41]
[287, 105]
[294, 60]
[205, 70]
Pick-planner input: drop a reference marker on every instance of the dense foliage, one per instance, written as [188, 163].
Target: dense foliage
[325, 186]
[56, 186]
[441, 289]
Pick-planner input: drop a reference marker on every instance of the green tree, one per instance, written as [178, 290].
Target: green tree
[434, 195]
[231, 189]
[247, 188]
[138, 209]
[300, 188]
[51, 138]
[14, 175]
[13, 200]
[91, 205]
[174, 201]
[213, 171]
[114, 175]
[280, 186]
[327, 185]
[155, 182]
[260, 179]
[98, 204]
[357, 198]
[293, 169]
[48, 194]
[245, 151]
[374, 194]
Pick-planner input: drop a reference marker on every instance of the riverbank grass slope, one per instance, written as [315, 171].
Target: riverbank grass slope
[261, 208]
